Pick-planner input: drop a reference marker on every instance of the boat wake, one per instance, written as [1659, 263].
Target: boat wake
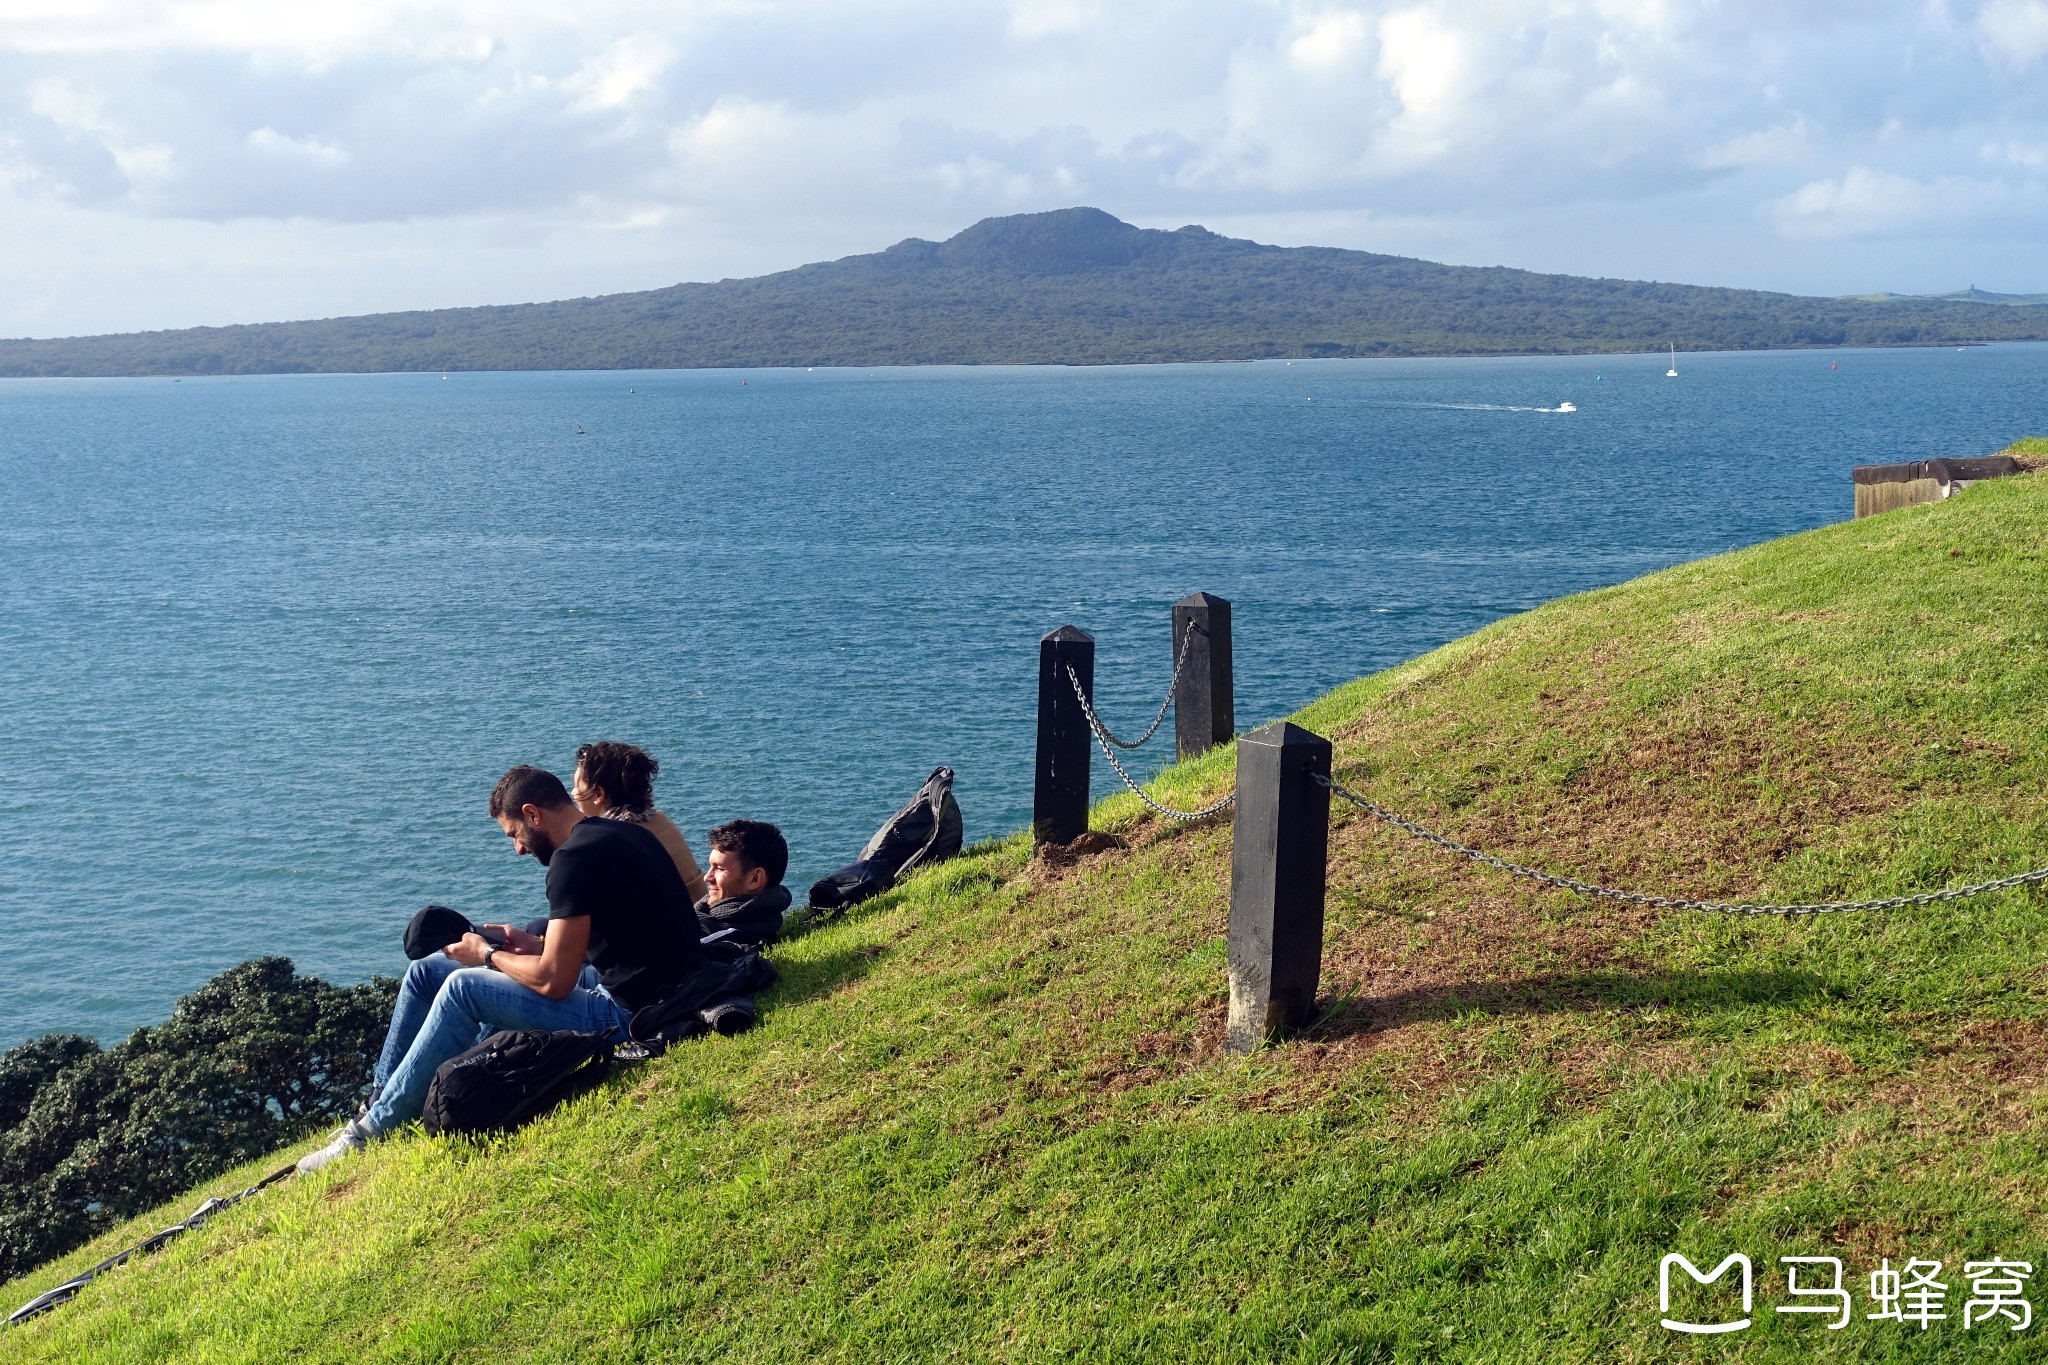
[1490, 407]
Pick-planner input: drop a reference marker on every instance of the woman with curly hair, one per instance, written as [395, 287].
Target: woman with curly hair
[616, 781]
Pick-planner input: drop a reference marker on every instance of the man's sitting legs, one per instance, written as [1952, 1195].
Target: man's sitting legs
[416, 994]
[443, 1010]
[471, 1002]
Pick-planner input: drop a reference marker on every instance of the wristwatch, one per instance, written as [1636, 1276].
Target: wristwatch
[490, 951]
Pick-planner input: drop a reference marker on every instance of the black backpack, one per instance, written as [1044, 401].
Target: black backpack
[927, 830]
[511, 1077]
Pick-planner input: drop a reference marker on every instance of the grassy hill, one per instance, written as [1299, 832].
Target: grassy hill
[988, 1118]
[1074, 286]
[1972, 294]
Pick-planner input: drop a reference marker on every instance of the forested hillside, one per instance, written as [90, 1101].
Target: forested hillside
[1074, 286]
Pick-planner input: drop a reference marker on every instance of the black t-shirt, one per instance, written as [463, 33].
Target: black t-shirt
[643, 933]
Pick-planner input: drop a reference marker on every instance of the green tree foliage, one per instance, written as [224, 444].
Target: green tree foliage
[248, 1062]
[1074, 286]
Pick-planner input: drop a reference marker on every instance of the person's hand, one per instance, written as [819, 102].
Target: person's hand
[468, 950]
[517, 940]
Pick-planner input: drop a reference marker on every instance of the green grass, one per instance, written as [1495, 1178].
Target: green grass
[989, 1118]
[2029, 450]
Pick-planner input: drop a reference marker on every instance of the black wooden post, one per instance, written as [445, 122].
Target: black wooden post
[1277, 865]
[1059, 795]
[1204, 711]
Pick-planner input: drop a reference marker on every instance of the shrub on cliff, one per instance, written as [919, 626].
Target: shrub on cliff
[249, 1061]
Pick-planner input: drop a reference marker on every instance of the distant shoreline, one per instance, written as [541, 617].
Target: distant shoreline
[1042, 364]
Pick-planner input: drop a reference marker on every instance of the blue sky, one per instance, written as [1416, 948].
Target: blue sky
[208, 161]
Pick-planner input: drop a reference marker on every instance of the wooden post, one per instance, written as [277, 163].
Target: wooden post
[1204, 709]
[1277, 867]
[1059, 795]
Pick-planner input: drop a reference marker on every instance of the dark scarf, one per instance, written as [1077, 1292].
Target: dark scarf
[754, 920]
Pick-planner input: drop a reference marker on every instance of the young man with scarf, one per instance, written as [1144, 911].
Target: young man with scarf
[745, 891]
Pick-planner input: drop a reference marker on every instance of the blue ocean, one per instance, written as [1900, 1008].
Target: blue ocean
[265, 643]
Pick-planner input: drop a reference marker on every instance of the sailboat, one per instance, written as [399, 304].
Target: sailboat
[1672, 373]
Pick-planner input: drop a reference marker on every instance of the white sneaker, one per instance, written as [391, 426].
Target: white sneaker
[362, 1113]
[353, 1137]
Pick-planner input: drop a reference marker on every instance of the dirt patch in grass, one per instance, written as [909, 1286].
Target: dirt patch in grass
[1472, 939]
[1986, 1076]
[1592, 1068]
[1084, 845]
[2029, 452]
[1698, 809]
[1160, 1055]
[1419, 1067]
[1863, 1243]
[2004, 1051]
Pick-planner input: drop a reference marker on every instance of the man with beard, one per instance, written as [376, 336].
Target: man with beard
[616, 906]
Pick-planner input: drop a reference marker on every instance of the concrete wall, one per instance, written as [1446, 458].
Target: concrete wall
[1872, 498]
[1882, 487]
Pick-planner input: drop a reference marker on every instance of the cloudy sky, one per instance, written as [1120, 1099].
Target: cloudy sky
[167, 163]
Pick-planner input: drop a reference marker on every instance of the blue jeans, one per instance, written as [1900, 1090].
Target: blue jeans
[444, 1009]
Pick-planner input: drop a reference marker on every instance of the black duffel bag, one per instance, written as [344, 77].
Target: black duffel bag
[850, 885]
[927, 830]
[512, 1077]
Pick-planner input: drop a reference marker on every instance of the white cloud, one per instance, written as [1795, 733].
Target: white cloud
[615, 77]
[1783, 145]
[1330, 41]
[2033, 155]
[1430, 99]
[272, 142]
[92, 138]
[68, 103]
[2015, 30]
[1049, 18]
[1861, 200]
[735, 127]
[1426, 62]
[1864, 202]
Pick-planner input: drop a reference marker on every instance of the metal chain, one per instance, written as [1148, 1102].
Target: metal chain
[1187, 643]
[68, 1290]
[1102, 737]
[1670, 902]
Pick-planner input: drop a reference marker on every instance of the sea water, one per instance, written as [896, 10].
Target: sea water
[266, 643]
